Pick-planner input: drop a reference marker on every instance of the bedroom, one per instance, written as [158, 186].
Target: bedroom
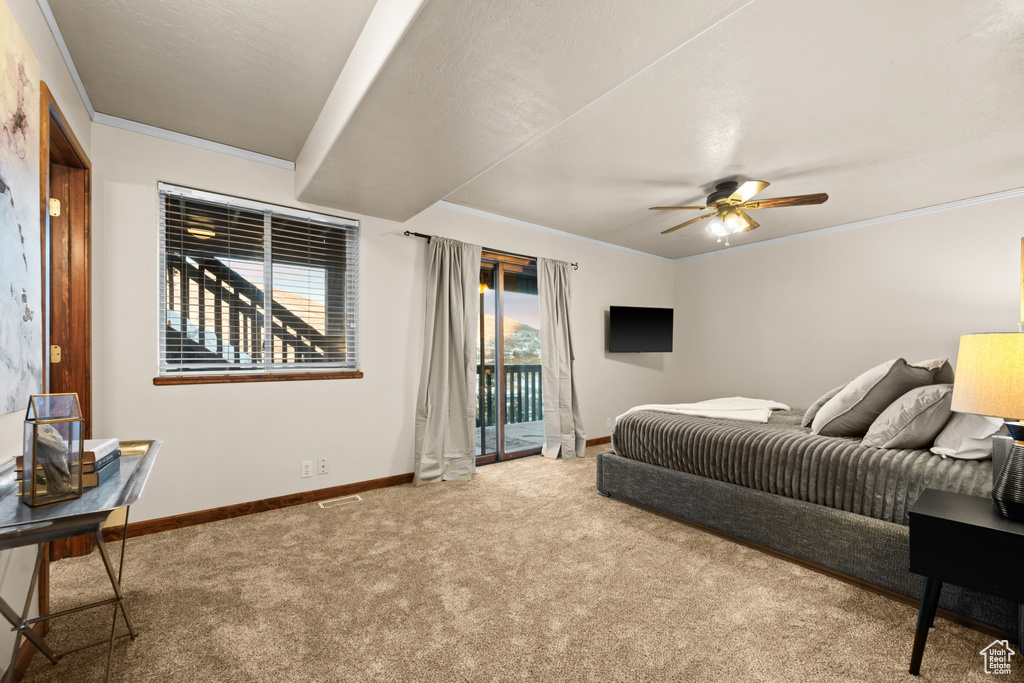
[785, 320]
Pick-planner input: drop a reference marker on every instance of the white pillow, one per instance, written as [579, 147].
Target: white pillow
[967, 436]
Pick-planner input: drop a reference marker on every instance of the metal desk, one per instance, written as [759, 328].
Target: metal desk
[21, 525]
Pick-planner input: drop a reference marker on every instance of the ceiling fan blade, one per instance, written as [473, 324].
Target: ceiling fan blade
[671, 208]
[689, 222]
[751, 223]
[747, 190]
[800, 200]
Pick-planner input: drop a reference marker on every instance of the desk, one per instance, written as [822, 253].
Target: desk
[21, 525]
[965, 541]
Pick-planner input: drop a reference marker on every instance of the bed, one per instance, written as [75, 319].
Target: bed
[827, 501]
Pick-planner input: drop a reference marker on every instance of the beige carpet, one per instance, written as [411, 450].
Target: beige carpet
[523, 574]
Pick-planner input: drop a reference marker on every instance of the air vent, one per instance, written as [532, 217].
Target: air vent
[335, 502]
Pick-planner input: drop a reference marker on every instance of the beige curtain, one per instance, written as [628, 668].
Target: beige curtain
[445, 404]
[563, 429]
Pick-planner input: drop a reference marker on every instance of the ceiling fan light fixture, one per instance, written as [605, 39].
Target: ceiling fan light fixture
[716, 226]
[729, 204]
[734, 222]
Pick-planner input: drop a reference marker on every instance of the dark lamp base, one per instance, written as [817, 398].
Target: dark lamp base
[1008, 491]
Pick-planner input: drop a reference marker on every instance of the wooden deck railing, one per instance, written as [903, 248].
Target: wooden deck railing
[231, 319]
[523, 394]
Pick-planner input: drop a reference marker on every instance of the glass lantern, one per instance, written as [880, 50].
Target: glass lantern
[52, 461]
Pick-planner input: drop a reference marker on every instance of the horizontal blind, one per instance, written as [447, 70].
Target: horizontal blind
[251, 287]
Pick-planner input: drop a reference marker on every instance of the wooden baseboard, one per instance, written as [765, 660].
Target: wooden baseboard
[152, 526]
[26, 651]
[892, 595]
[598, 441]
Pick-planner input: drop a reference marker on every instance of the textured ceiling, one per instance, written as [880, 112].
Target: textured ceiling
[248, 73]
[579, 115]
[885, 106]
[474, 81]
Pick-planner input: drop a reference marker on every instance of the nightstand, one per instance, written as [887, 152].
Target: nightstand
[963, 540]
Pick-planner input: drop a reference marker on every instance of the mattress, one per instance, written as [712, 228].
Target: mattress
[783, 458]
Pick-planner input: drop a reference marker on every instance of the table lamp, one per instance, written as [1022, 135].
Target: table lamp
[990, 381]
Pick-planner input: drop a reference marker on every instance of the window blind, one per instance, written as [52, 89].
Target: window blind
[252, 287]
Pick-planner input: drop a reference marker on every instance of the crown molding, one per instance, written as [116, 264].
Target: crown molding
[201, 143]
[959, 203]
[970, 201]
[62, 47]
[543, 228]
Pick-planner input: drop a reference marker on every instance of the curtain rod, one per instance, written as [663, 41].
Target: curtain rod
[575, 266]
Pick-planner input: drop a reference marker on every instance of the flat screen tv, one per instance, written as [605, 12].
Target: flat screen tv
[633, 329]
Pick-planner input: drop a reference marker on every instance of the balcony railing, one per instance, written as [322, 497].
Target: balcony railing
[215, 315]
[524, 399]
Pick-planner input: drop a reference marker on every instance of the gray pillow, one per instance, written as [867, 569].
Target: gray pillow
[942, 371]
[852, 410]
[816, 406]
[913, 420]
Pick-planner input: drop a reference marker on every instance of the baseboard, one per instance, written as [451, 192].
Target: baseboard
[153, 526]
[25, 652]
[598, 441]
[892, 595]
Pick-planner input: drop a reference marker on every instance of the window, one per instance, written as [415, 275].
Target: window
[248, 288]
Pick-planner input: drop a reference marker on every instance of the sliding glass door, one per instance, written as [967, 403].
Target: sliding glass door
[509, 397]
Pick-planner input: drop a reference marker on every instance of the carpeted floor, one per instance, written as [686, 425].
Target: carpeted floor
[523, 574]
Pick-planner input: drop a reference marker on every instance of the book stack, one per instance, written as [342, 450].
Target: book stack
[101, 458]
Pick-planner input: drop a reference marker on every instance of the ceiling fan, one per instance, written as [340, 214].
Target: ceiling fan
[729, 204]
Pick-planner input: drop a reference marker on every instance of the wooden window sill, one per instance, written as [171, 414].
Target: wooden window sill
[233, 378]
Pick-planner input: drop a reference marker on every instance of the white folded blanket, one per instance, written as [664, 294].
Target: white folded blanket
[734, 408]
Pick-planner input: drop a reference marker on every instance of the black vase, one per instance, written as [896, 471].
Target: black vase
[1008, 491]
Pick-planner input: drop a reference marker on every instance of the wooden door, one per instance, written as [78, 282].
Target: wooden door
[65, 176]
[69, 291]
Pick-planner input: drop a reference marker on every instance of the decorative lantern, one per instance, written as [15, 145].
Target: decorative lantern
[52, 460]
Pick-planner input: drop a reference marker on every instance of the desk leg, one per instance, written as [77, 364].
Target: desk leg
[19, 624]
[115, 583]
[925, 619]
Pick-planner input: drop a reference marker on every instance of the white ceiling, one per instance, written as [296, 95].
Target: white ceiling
[577, 114]
[251, 74]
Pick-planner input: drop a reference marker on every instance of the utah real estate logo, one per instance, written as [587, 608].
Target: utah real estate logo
[997, 657]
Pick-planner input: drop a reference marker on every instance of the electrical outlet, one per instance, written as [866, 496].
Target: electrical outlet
[611, 422]
[323, 465]
[307, 468]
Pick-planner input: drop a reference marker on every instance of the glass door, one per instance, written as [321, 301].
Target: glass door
[486, 386]
[509, 361]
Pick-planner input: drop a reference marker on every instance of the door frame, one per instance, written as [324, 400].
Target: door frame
[58, 144]
[502, 263]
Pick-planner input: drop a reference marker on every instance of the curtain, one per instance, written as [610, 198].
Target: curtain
[445, 403]
[563, 429]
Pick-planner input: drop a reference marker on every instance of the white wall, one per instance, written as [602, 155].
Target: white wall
[790, 320]
[232, 443]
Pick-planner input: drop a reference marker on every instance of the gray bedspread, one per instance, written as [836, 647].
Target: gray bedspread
[784, 458]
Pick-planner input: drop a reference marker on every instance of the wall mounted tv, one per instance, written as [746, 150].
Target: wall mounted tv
[632, 329]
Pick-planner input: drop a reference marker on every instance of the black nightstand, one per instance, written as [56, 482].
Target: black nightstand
[963, 540]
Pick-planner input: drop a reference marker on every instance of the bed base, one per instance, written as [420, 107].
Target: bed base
[868, 552]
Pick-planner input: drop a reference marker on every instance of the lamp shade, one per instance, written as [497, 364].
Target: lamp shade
[990, 375]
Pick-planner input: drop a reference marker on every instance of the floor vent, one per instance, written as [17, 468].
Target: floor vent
[335, 502]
